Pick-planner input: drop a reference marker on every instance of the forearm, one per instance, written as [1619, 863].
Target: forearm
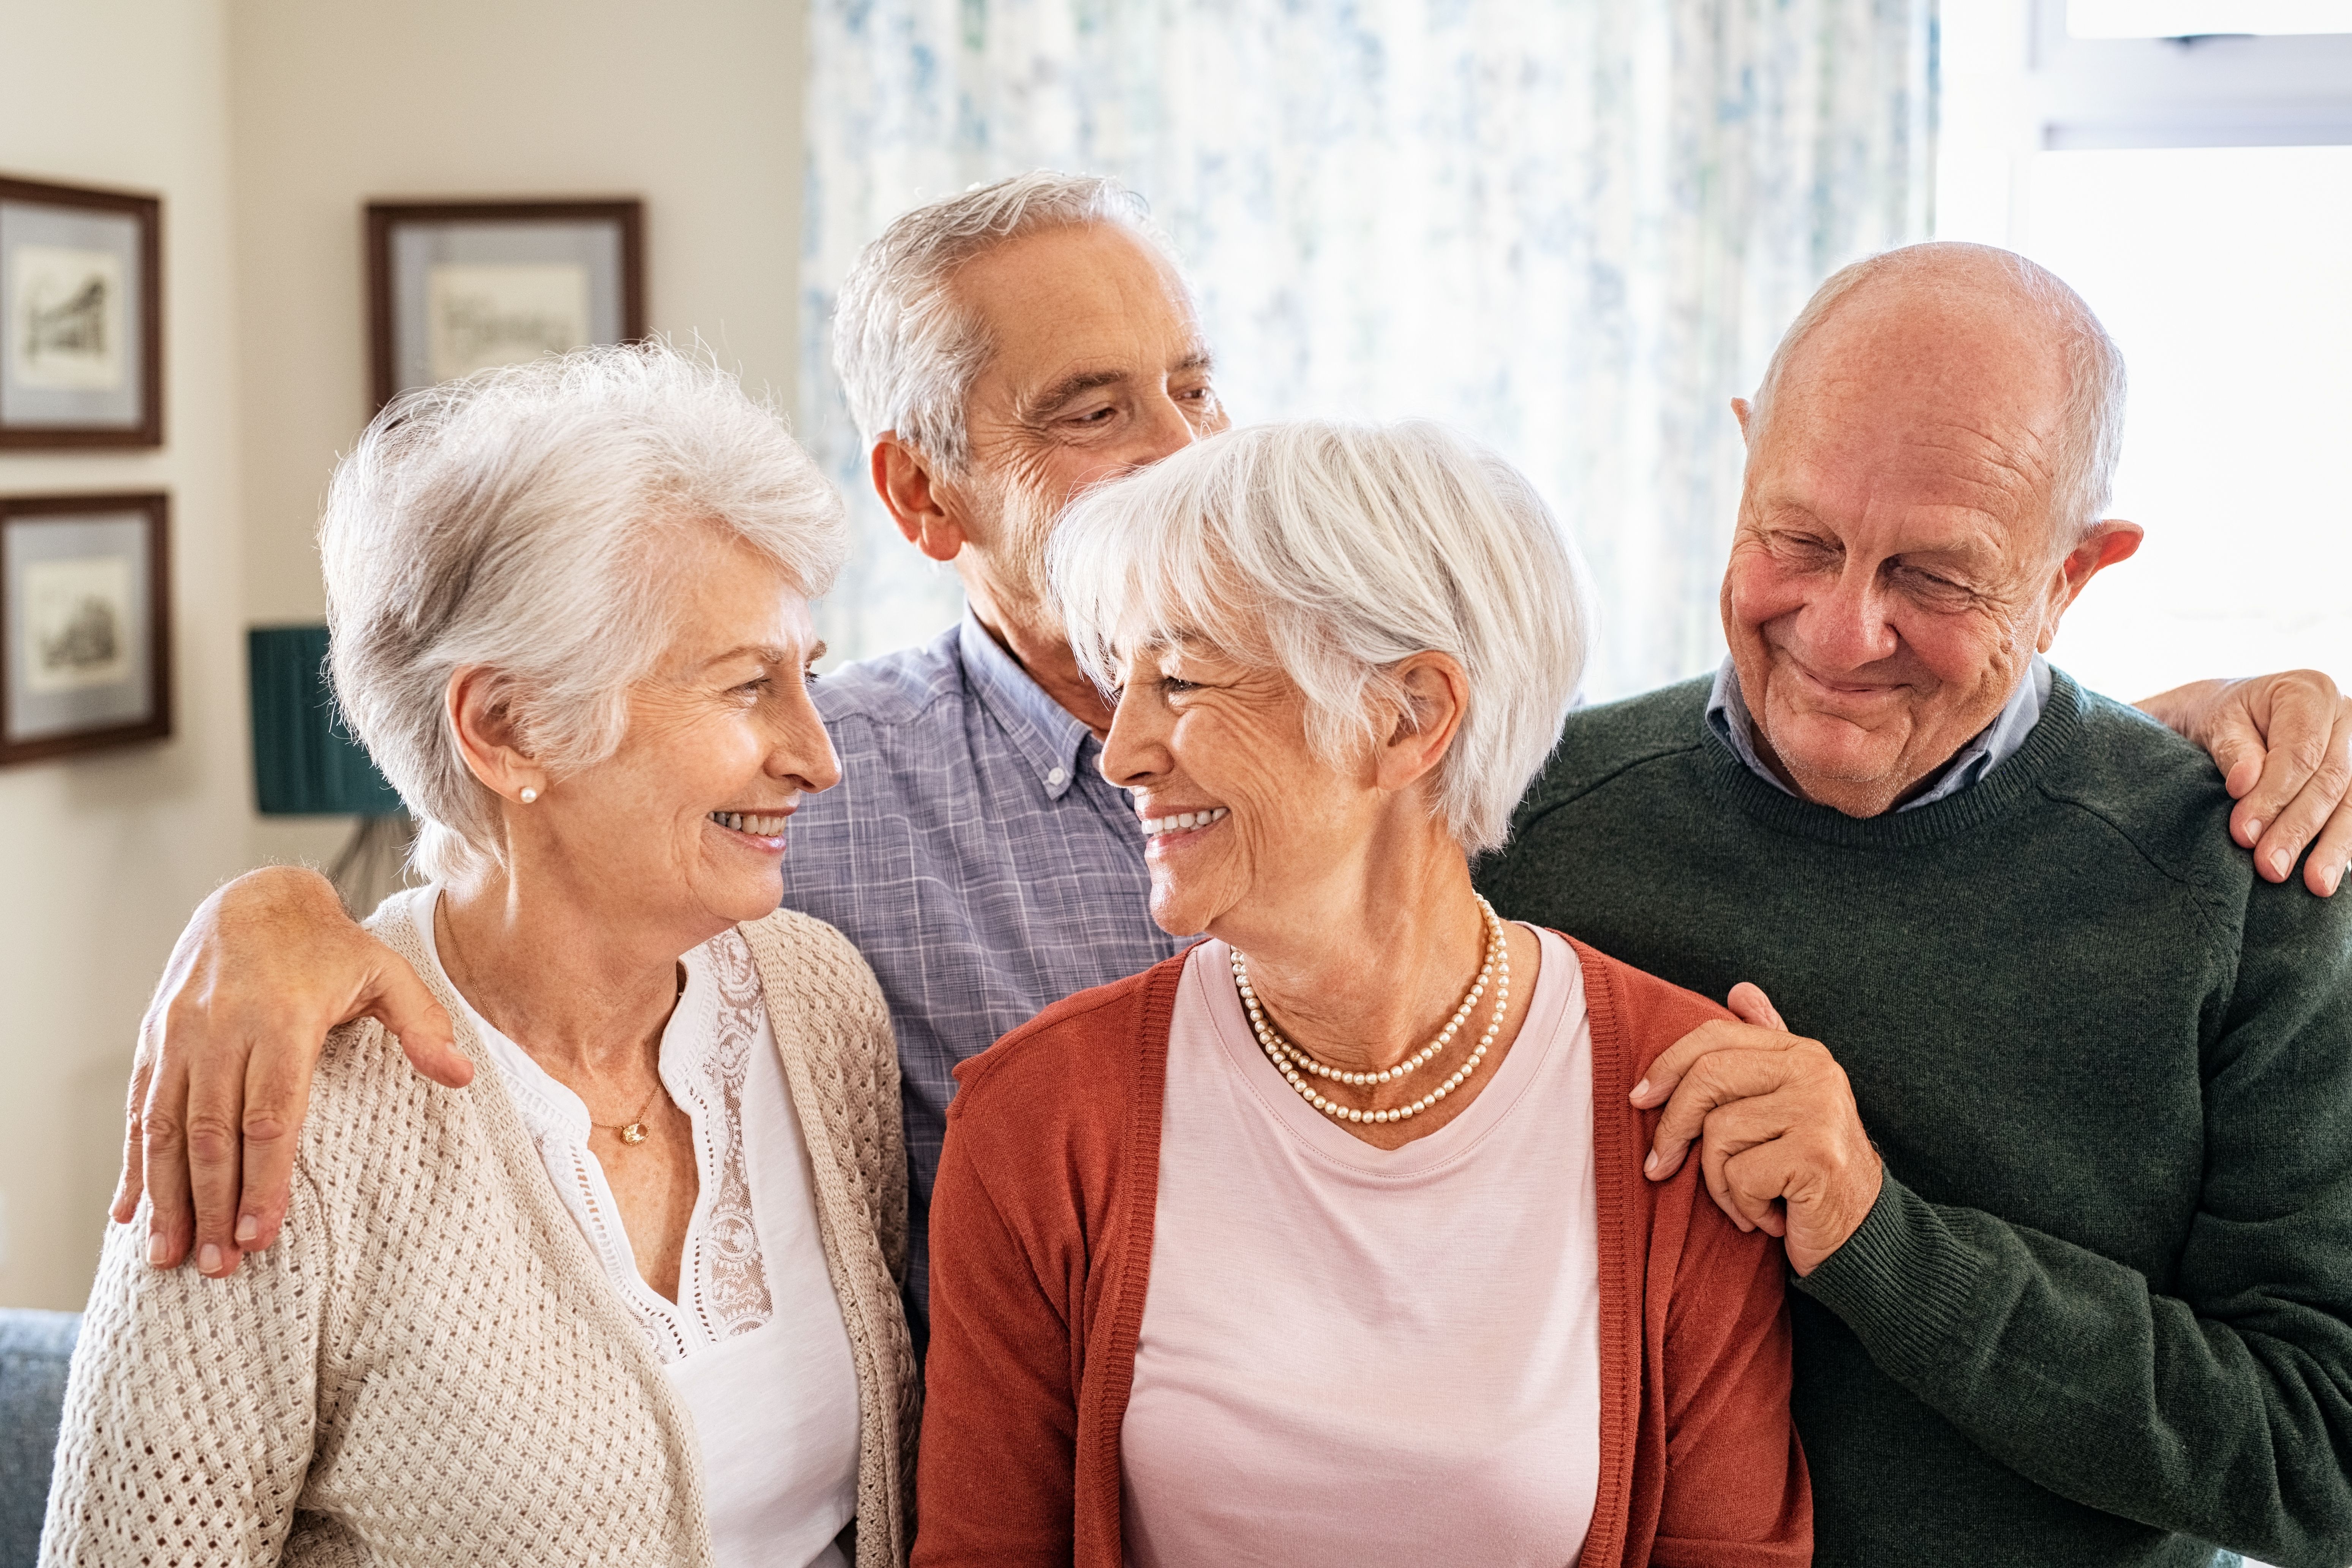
[2067, 1368]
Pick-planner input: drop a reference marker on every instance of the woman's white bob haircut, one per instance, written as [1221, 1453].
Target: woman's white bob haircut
[1333, 552]
[528, 521]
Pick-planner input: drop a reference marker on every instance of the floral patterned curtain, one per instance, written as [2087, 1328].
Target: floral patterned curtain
[1573, 228]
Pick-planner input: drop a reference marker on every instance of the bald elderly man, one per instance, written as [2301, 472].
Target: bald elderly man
[2062, 1156]
[1000, 349]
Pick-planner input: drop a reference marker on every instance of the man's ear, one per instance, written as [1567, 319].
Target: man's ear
[2108, 543]
[480, 712]
[1438, 691]
[1740, 409]
[918, 502]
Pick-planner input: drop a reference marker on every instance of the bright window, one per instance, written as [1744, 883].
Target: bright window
[2200, 197]
[2204, 18]
[2225, 273]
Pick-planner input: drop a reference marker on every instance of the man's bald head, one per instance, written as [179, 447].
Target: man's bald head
[1927, 463]
[1946, 311]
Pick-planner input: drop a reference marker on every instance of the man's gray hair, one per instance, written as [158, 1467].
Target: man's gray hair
[1333, 552]
[2091, 425]
[906, 354]
[520, 519]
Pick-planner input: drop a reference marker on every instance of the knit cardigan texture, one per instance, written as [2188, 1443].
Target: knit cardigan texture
[1041, 1249]
[429, 1366]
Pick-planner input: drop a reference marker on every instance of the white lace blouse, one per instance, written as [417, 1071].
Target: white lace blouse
[754, 1342]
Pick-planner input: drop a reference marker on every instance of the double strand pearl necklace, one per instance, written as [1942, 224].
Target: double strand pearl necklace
[1299, 1067]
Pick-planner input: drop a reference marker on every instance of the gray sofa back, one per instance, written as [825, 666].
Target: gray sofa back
[35, 1348]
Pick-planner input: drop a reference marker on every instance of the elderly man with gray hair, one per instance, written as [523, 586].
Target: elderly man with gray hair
[2064, 1172]
[1004, 349]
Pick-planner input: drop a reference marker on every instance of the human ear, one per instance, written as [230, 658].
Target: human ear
[1740, 408]
[926, 514]
[2108, 543]
[480, 711]
[1437, 694]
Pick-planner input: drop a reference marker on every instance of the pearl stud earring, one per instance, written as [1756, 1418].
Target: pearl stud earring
[529, 795]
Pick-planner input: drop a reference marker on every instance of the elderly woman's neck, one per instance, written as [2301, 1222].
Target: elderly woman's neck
[1364, 968]
[568, 983]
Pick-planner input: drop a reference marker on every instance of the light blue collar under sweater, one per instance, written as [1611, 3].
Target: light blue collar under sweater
[1727, 713]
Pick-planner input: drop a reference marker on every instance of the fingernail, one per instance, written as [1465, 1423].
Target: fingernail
[1650, 1164]
[1640, 1088]
[2282, 862]
[2254, 831]
[247, 1227]
[156, 1249]
[208, 1261]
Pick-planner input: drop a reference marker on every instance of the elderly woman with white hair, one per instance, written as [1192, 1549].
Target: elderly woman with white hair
[1327, 1241]
[630, 1297]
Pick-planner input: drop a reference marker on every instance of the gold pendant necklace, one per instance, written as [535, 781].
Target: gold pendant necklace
[634, 1129]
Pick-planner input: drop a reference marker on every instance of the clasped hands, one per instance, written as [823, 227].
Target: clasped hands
[1779, 1139]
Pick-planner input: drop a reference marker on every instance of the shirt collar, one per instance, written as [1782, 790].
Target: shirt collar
[1728, 716]
[1048, 735]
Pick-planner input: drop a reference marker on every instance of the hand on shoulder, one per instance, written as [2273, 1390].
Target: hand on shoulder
[266, 968]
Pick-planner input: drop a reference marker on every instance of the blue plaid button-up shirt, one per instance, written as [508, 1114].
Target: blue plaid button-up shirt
[977, 857]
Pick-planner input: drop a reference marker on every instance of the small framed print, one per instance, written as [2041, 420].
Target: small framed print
[82, 317]
[85, 624]
[458, 287]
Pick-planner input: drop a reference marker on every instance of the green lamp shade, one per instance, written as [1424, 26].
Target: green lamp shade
[305, 763]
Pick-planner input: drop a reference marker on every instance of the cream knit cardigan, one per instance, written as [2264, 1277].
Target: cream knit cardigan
[429, 1367]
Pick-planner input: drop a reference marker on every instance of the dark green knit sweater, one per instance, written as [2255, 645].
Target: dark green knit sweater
[2102, 1313]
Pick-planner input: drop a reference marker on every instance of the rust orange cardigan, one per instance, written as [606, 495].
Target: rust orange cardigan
[1040, 1258]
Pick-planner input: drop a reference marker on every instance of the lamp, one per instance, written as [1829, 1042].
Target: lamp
[305, 763]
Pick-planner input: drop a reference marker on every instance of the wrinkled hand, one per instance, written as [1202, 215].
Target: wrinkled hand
[1780, 1142]
[2283, 744]
[267, 965]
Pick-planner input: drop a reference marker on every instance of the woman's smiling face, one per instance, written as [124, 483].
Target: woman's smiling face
[685, 823]
[1240, 811]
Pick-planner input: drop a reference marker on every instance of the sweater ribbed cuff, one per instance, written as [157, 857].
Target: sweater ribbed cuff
[1901, 1282]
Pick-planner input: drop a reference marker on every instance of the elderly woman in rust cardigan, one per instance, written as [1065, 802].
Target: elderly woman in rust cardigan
[1327, 1242]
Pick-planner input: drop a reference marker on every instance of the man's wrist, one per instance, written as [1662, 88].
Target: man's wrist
[278, 889]
[1901, 1281]
[2185, 710]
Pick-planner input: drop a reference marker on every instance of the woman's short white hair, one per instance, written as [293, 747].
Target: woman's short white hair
[519, 520]
[906, 354]
[1333, 552]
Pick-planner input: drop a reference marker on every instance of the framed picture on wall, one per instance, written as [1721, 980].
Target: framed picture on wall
[85, 622]
[82, 317]
[458, 287]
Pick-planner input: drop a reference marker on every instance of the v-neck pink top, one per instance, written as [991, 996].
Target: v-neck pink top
[1353, 1355]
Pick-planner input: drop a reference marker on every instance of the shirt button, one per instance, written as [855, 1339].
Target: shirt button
[1054, 780]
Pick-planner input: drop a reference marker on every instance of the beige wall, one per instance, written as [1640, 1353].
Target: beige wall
[101, 859]
[693, 106]
[266, 124]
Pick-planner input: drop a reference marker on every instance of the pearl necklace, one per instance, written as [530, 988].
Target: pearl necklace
[1296, 1064]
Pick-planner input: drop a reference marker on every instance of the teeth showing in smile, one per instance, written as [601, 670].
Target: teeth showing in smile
[745, 822]
[1155, 826]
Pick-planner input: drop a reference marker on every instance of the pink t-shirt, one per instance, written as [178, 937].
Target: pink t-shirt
[1354, 1356]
